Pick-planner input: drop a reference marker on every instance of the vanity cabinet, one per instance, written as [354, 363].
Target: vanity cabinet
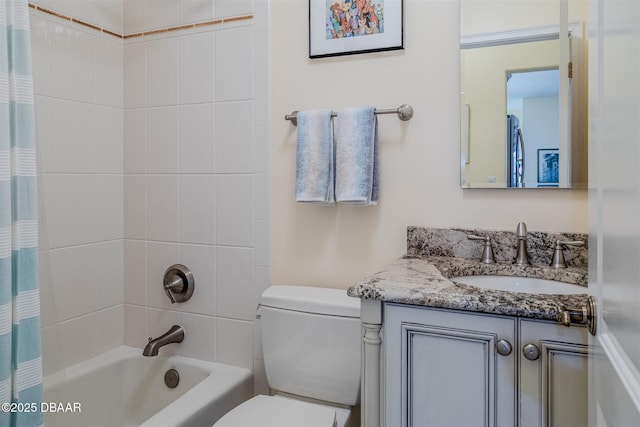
[451, 368]
[553, 386]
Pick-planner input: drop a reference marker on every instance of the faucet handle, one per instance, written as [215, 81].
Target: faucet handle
[487, 253]
[558, 257]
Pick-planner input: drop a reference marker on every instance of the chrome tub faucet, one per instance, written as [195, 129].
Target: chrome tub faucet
[173, 335]
[522, 256]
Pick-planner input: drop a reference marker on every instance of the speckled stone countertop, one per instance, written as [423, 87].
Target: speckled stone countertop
[422, 276]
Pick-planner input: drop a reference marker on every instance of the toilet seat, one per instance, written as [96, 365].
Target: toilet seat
[273, 411]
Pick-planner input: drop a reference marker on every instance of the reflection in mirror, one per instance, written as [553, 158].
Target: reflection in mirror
[532, 116]
[523, 95]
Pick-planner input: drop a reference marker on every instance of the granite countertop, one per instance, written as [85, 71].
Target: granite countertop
[423, 281]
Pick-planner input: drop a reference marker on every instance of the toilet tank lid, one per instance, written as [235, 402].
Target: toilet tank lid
[327, 301]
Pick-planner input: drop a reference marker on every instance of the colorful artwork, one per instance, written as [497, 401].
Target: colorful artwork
[354, 18]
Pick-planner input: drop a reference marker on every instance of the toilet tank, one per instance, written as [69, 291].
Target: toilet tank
[311, 342]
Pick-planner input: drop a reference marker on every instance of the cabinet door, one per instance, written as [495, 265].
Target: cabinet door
[554, 386]
[442, 369]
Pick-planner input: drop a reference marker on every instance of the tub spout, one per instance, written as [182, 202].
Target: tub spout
[173, 335]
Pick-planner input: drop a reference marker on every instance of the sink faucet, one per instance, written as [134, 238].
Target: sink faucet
[522, 257]
[173, 335]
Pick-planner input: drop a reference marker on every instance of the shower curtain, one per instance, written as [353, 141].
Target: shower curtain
[20, 357]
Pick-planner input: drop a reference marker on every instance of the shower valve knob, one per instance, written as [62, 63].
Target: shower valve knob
[178, 283]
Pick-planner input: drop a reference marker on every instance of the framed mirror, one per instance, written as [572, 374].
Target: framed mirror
[523, 94]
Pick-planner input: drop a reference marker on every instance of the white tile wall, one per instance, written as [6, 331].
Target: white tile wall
[108, 72]
[73, 281]
[226, 8]
[73, 64]
[134, 20]
[109, 207]
[108, 14]
[196, 11]
[73, 131]
[73, 209]
[162, 13]
[163, 71]
[135, 206]
[234, 64]
[153, 151]
[109, 291]
[234, 279]
[78, 339]
[234, 342]
[163, 140]
[196, 67]
[78, 82]
[234, 139]
[234, 210]
[109, 328]
[135, 71]
[163, 207]
[201, 260]
[135, 151]
[197, 219]
[108, 140]
[197, 143]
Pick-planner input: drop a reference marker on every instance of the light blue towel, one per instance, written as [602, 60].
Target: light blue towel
[357, 156]
[315, 157]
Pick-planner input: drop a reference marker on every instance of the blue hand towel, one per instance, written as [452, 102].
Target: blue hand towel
[357, 156]
[315, 157]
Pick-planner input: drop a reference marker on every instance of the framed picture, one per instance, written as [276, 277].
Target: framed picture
[346, 27]
[548, 166]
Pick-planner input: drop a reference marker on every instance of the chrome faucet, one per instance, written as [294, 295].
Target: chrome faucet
[558, 257]
[487, 253]
[522, 256]
[173, 335]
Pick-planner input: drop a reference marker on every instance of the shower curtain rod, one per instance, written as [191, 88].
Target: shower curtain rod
[404, 112]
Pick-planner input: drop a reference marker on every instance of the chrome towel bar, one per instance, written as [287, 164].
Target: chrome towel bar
[404, 112]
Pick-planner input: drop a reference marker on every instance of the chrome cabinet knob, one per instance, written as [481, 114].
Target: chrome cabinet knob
[504, 348]
[531, 351]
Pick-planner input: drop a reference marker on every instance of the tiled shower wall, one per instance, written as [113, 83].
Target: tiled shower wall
[195, 181]
[78, 86]
[187, 179]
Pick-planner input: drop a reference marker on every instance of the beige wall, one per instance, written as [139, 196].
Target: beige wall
[419, 159]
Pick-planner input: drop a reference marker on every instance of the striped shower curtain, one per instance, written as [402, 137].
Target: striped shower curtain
[20, 357]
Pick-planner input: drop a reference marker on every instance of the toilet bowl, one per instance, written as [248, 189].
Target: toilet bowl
[311, 346]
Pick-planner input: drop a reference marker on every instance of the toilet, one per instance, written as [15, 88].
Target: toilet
[311, 346]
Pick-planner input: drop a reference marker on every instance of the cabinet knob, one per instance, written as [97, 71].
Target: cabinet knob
[531, 351]
[503, 347]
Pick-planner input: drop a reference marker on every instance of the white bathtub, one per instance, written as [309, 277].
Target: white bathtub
[122, 388]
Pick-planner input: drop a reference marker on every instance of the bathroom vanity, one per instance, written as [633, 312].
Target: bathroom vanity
[438, 352]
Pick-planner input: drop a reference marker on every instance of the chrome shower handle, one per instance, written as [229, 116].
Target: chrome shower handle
[178, 283]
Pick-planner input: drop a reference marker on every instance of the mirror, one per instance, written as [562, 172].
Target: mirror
[523, 94]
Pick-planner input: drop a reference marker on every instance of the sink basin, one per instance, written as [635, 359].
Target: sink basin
[528, 285]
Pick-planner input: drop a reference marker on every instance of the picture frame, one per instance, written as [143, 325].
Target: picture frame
[548, 167]
[347, 27]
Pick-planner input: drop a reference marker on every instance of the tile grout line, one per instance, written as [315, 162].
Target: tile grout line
[142, 33]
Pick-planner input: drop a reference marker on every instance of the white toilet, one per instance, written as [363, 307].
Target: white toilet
[311, 344]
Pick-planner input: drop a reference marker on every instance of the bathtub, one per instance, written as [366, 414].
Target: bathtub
[122, 388]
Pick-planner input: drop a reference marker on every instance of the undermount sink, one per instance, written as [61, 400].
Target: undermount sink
[530, 285]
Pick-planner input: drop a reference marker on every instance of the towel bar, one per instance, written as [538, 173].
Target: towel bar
[404, 112]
